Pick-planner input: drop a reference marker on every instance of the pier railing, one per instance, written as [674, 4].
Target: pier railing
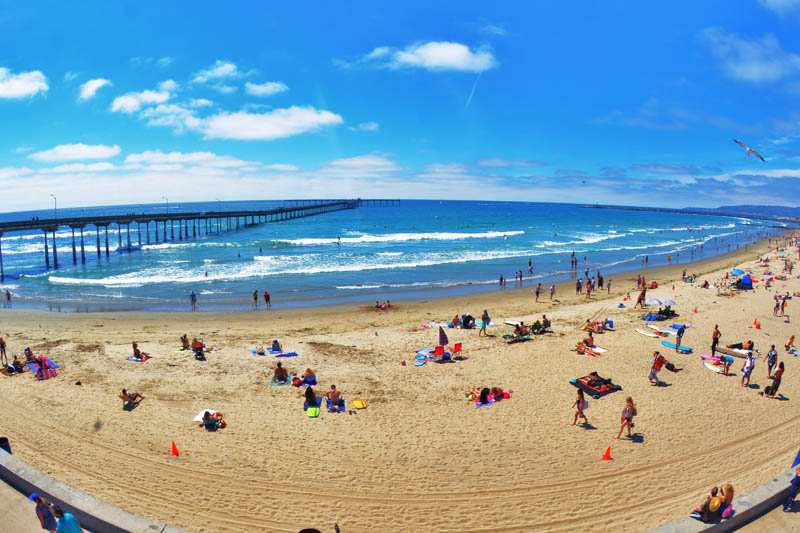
[158, 228]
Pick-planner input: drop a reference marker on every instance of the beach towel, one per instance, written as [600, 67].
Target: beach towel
[338, 408]
[273, 383]
[46, 373]
[144, 359]
[307, 405]
[360, 404]
[594, 385]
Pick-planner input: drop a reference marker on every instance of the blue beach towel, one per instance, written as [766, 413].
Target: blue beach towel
[340, 408]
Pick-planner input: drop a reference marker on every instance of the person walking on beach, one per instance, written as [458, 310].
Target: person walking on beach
[67, 523]
[44, 513]
[608, 285]
[772, 360]
[747, 369]
[267, 300]
[794, 488]
[579, 286]
[579, 405]
[485, 320]
[679, 337]
[3, 356]
[193, 301]
[8, 298]
[255, 299]
[552, 291]
[626, 420]
[655, 367]
[640, 301]
[537, 291]
[715, 335]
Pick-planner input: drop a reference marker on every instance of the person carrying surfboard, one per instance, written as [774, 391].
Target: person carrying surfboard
[679, 337]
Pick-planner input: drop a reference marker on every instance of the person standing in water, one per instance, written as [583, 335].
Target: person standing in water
[267, 300]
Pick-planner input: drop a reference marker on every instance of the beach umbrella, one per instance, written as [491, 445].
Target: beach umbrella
[669, 302]
[737, 272]
[653, 301]
[443, 341]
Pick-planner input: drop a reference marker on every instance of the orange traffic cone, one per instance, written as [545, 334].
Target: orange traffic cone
[607, 454]
[756, 324]
[174, 451]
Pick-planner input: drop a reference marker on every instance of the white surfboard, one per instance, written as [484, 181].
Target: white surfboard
[647, 333]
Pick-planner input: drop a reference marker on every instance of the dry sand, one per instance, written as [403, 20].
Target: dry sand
[419, 458]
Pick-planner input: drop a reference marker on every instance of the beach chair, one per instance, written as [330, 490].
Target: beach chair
[457, 348]
[439, 351]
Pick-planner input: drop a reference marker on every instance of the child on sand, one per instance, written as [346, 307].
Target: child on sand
[626, 420]
[747, 369]
[138, 354]
[130, 398]
[580, 404]
[772, 360]
[213, 422]
[485, 320]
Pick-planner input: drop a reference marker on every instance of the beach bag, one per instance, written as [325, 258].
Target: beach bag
[296, 381]
[360, 404]
[312, 412]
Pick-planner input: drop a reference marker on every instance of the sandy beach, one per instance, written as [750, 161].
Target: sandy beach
[420, 457]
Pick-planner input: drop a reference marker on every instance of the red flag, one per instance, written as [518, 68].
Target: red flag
[174, 450]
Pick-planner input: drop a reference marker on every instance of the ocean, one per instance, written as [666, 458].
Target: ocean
[416, 249]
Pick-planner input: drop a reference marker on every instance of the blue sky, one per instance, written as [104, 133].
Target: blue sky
[611, 102]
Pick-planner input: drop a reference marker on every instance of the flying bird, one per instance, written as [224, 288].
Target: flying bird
[748, 150]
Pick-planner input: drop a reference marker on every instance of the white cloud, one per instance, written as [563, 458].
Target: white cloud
[782, 7]
[90, 88]
[433, 56]
[282, 167]
[275, 124]
[494, 29]
[185, 159]
[79, 168]
[265, 89]
[173, 116]
[161, 62]
[23, 149]
[224, 88]
[219, 70]
[362, 166]
[366, 126]
[134, 101]
[76, 152]
[21, 85]
[757, 60]
[200, 102]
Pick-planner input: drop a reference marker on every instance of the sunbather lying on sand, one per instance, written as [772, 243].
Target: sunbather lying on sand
[213, 422]
[593, 326]
[130, 398]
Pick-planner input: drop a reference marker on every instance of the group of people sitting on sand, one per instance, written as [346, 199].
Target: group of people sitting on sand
[335, 401]
[383, 306]
[213, 420]
[197, 347]
[486, 395]
[281, 376]
[718, 505]
[537, 328]
[599, 326]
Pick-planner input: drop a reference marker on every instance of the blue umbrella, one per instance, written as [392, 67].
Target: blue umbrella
[737, 272]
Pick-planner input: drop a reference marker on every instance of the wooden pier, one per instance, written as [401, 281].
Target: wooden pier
[157, 228]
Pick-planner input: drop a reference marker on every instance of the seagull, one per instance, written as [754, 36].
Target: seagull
[748, 150]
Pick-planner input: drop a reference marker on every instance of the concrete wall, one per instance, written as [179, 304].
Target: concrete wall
[748, 508]
[93, 514]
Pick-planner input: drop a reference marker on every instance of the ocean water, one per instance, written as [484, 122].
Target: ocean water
[416, 249]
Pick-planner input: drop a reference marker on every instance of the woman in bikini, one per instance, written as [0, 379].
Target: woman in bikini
[580, 405]
[626, 420]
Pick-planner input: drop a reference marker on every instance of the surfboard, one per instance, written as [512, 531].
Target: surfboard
[597, 349]
[678, 326]
[683, 349]
[715, 368]
[647, 333]
[660, 332]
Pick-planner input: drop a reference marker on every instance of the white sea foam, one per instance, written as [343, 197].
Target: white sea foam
[402, 237]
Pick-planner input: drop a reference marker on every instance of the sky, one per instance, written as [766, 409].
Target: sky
[613, 102]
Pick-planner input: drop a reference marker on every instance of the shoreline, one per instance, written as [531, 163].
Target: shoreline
[460, 292]
[516, 466]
